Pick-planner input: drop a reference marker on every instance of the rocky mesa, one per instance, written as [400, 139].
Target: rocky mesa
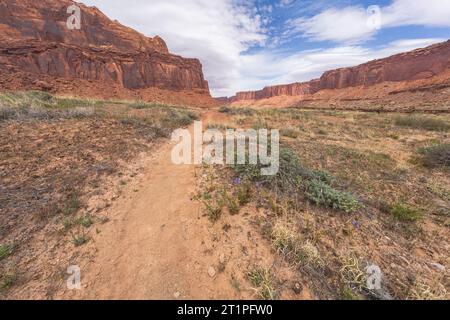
[101, 59]
[406, 71]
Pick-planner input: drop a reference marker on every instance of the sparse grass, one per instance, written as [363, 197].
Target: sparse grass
[85, 221]
[261, 279]
[289, 133]
[6, 251]
[232, 205]
[72, 204]
[214, 208]
[348, 294]
[438, 190]
[8, 278]
[218, 126]
[422, 122]
[79, 239]
[437, 156]
[352, 273]
[287, 241]
[237, 111]
[406, 213]
[308, 254]
[244, 194]
[424, 291]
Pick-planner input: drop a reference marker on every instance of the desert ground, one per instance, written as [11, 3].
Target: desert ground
[91, 183]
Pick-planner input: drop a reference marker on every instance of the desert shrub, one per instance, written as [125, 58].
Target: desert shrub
[422, 122]
[405, 212]
[5, 251]
[293, 178]
[323, 194]
[218, 126]
[237, 111]
[141, 105]
[436, 156]
[289, 132]
[8, 278]
[244, 194]
[287, 241]
[225, 109]
[7, 113]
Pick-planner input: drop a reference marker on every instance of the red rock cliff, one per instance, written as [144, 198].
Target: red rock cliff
[38, 51]
[418, 64]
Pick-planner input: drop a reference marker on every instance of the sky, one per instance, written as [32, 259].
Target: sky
[249, 44]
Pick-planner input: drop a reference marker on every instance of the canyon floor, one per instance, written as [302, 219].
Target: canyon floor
[92, 184]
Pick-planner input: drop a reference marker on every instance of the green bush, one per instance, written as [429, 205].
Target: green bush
[293, 178]
[436, 156]
[236, 111]
[5, 251]
[422, 122]
[289, 132]
[405, 212]
[323, 194]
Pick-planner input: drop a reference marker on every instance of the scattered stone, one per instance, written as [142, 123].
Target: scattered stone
[222, 258]
[298, 288]
[212, 272]
[176, 295]
[437, 266]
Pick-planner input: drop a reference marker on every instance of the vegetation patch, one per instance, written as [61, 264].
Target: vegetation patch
[261, 280]
[422, 122]
[404, 212]
[237, 111]
[287, 241]
[436, 156]
[294, 178]
[323, 194]
[289, 133]
[5, 251]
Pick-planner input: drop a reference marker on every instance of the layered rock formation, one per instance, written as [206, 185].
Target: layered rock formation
[105, 58]
[419, 64]
[294, 89]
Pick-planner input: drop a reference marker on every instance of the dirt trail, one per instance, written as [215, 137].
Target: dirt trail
[155, 247]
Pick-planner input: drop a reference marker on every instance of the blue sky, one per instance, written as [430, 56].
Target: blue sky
[249, 44]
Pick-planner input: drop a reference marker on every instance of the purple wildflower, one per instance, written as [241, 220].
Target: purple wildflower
[237, 181]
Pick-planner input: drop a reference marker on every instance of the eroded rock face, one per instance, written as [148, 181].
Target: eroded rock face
[294, 89]
[35, 41]
[415, 65]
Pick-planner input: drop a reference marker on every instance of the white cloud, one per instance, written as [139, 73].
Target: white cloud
[216, 32]
[351, 24]
[220, 32]
[339, 25]
[269, 69]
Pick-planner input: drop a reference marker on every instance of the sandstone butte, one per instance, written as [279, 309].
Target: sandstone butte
[406, 77]
[103, 59]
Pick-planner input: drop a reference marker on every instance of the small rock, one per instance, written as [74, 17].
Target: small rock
[437, 266]
[222, 258]
[176, 295]
[212, 272]
[297, 288]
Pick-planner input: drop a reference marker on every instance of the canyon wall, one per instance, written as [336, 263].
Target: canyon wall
[38, 51]
[405, 67]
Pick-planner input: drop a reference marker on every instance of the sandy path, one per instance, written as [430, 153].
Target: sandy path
[154, 247]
